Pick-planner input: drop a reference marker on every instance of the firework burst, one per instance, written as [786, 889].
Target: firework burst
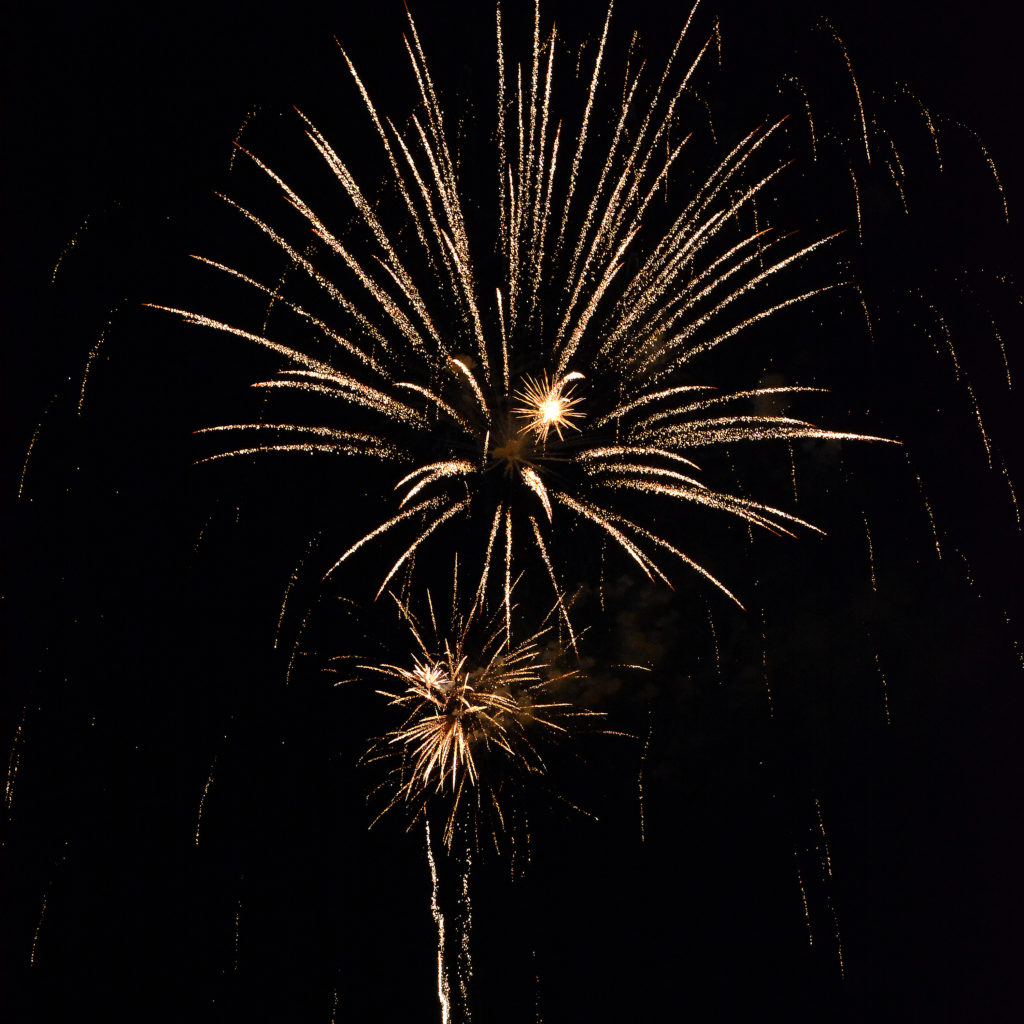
[476, 711]
[557, 391]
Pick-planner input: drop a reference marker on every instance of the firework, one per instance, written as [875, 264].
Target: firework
[559, 392]
[476, 712]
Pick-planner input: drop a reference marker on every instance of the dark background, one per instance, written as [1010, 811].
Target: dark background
[144, 593]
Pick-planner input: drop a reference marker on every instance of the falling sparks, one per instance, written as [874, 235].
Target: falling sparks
[14, 761]
[871, 552]
[640, 778]
[764, 666]
[885, 686]
[856, 87]
[39, 928]
[93, 353]
[931, 515]
[803, 899]
[31, 445]
[202, 799]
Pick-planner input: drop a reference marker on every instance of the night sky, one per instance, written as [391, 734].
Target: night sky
[829, 827]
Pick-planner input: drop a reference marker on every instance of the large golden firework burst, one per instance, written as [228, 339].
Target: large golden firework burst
[558, 392]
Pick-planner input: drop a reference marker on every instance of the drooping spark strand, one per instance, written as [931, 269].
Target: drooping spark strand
[827, 869]
[985, 440]
[856, 88]
[871, 552]
[1013, 493]
[764, 666]
[292, 580]
[856, 197]
[1006, 361]
[867, 314]
[885, 688]
[931, 514]
[793, 80]
[202, 799]
[80, 230]
[929, 121]
[988, 160]
[39, 927]
[93, 352]
[714, 641]
[640, 778]
[803, 899]
[14, 761]
[238, 927]
[31, 445]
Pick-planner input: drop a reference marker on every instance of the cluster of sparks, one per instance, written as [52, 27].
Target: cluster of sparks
[578, 395]
[466, 703]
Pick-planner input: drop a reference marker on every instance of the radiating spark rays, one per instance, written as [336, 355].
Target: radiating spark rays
[452, 406]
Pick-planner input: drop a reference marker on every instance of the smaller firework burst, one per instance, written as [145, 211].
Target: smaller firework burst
[478, 707]
[548, 406]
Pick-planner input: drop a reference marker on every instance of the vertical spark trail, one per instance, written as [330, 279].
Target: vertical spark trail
[1006, 361]
[238, 926]
[465, 960]
[867, 314]
[928, 509]
[640, 778]
[31, 445]
[985, 439]
[764, 666]
[14, 761]
[435, 910]
[885, 685]
[1013, 493]
[803, 900]
[93, 353]
[871, 552]
[714, 641]
[856, 197]
[827, 871]
[202, 799]
[39, 927]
